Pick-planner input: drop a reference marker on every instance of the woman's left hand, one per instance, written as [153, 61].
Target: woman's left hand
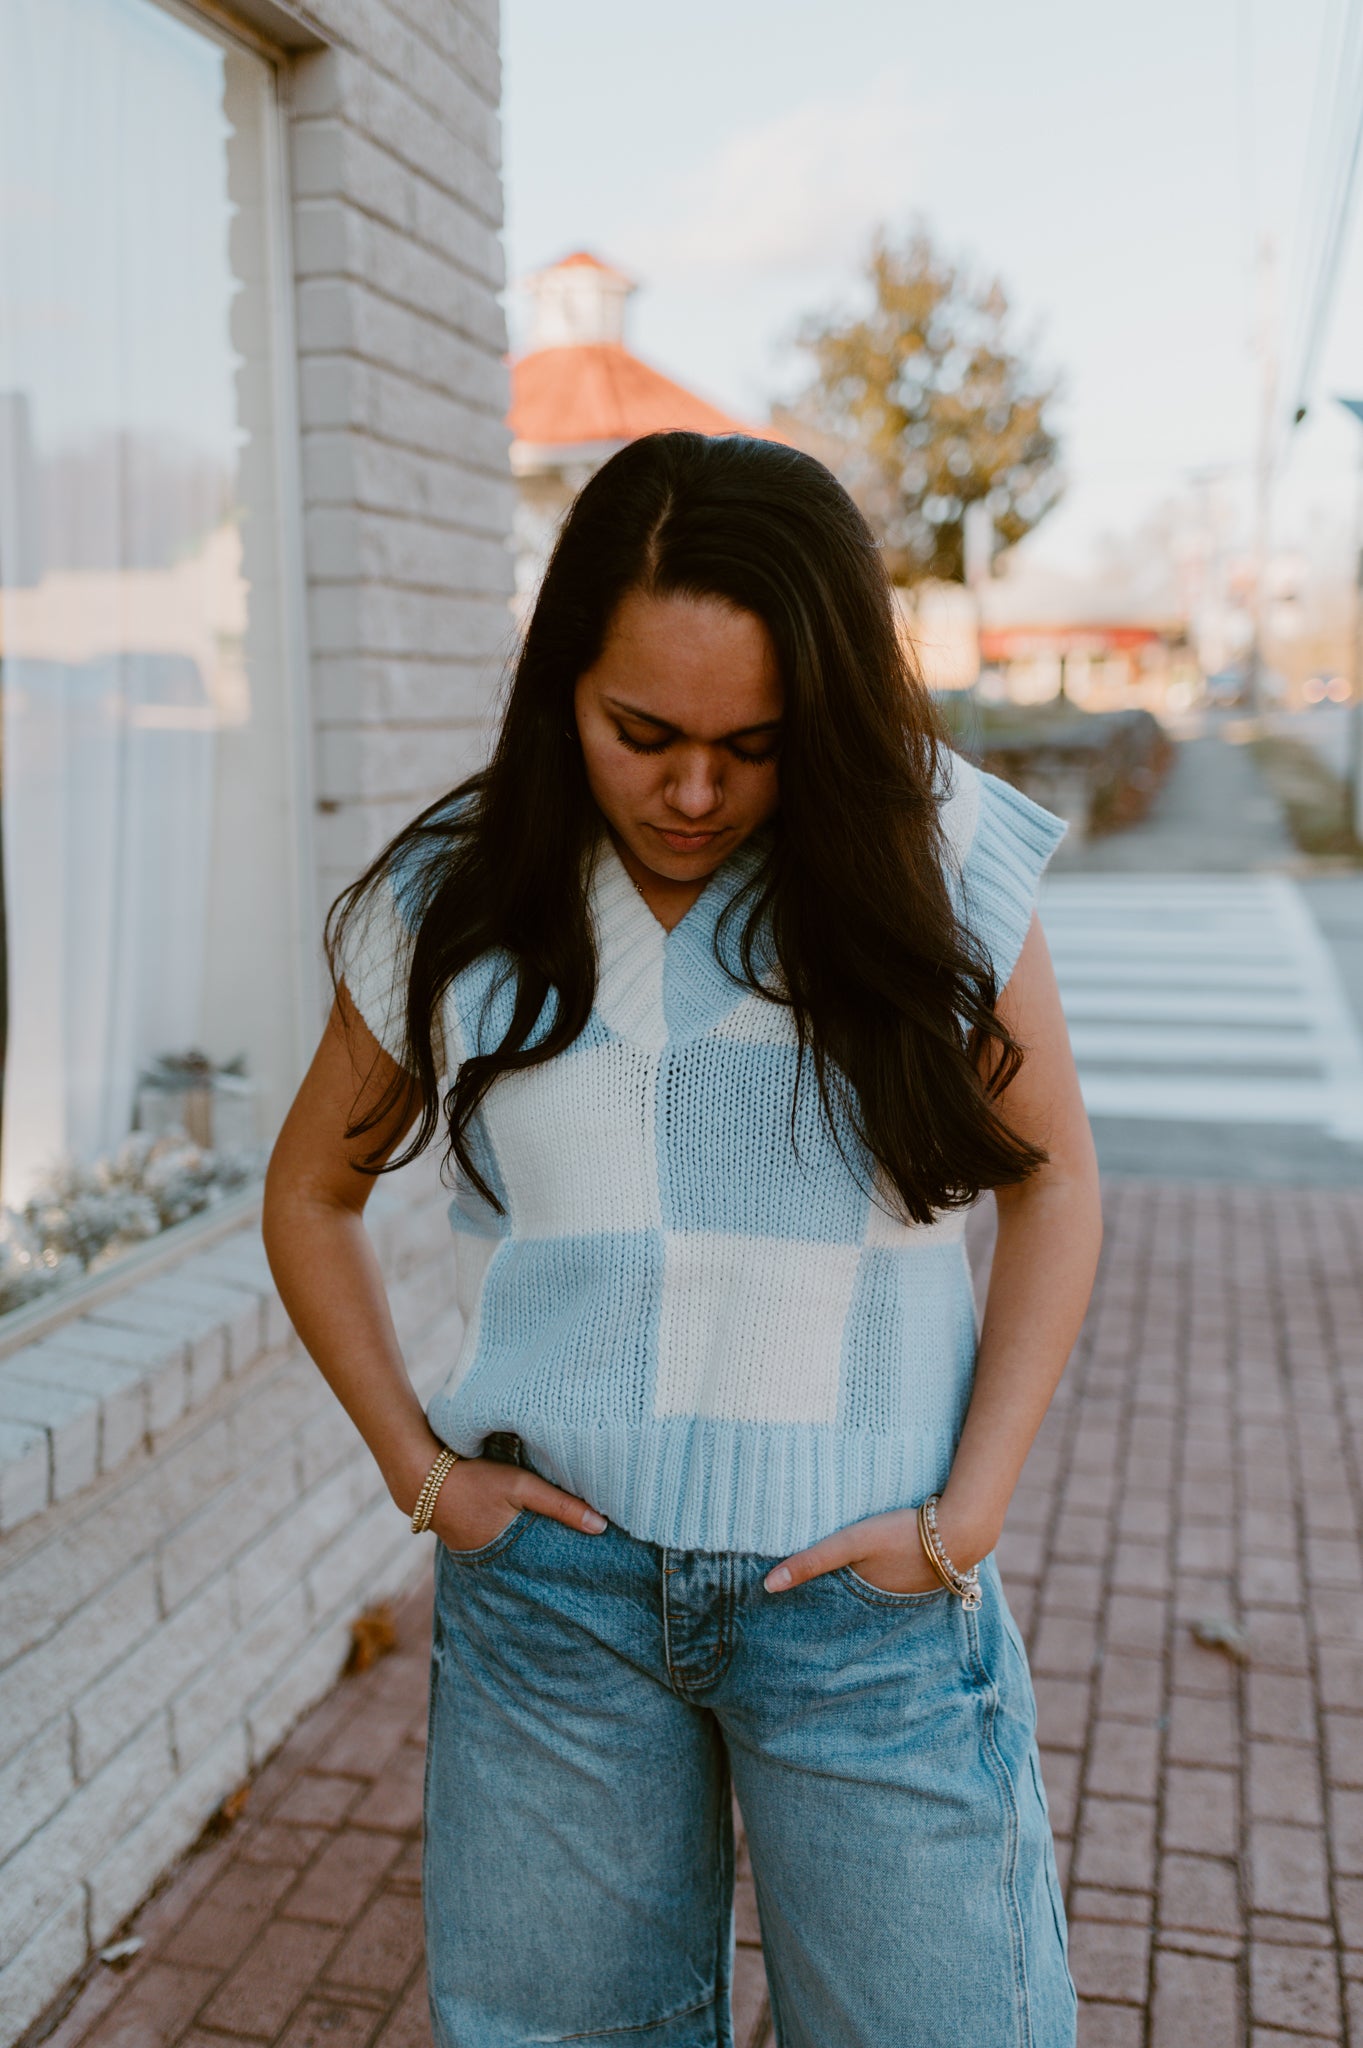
[885, 1551]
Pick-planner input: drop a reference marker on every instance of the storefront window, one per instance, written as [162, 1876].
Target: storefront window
[147, 821]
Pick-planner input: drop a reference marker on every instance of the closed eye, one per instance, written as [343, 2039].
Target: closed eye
[754, 759]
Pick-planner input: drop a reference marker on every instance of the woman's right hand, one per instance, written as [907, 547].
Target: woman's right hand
[480, 1497]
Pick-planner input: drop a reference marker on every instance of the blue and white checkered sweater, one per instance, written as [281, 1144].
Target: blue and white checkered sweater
[717, 1338]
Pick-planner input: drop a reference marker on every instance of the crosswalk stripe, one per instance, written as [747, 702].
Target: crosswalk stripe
[1207, 998]
[1184, 1045]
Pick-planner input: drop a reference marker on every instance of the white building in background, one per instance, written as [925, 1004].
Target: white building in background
[254, 572]
[1103, 642]
[579, 394]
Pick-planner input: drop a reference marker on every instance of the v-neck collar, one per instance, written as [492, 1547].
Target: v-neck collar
[711, 880]
[652, 982]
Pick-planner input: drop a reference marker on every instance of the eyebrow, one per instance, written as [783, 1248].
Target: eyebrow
[651, 718]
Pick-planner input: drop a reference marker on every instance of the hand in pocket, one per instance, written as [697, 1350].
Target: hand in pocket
[480, 1498]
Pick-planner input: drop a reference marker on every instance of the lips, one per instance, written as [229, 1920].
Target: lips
[686, 842]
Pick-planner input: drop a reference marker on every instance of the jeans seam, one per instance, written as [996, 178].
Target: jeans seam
[724, 1917]
[1003, 1778]
[667, 1622]
[686, 1685]
[427, 1831]
[715, 1670]
[1052, 1876]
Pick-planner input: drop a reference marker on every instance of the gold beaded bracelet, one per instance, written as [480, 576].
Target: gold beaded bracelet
[965, 1585]
[430, 1490]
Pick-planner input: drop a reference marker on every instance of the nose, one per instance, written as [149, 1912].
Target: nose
[696, 786]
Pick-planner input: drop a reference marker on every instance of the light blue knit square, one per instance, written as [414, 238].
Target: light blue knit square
[727, 1159]
[911, 1311]
[567, 1325]
[484, 999]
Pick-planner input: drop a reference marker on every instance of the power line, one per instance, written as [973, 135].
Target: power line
[1326, 215]
[1313, 178]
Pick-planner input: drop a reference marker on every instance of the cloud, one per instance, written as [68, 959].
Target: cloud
[801, 191]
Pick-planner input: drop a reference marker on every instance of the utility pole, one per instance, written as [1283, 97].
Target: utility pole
[1354, 406]
[1267, 354]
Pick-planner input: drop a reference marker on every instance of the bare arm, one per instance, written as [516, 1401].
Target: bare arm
[327, 1272]
[1049, 1233]
[1050, 1230]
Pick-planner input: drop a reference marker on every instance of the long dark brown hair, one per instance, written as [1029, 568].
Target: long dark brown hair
[893, 1000]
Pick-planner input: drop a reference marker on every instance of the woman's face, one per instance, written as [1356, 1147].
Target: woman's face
[679, 721]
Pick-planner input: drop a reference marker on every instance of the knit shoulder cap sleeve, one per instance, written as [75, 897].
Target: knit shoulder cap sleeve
[998, 843]
[376, 956]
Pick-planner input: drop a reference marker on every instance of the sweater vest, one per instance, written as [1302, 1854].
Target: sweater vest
[702, 1313]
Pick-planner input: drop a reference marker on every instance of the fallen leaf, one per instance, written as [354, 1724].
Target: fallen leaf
[373, 1634]
[234, 1805]
[231, 1810]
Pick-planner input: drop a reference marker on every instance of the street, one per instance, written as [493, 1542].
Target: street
[1208, 999]
[1214, 991]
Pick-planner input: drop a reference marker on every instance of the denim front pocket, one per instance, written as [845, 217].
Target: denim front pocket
[503, 1540]
[880, 1596]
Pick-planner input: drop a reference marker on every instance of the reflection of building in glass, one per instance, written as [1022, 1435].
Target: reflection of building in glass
[145, 776]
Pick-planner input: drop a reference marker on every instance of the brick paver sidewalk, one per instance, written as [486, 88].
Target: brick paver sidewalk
[1201, 1464]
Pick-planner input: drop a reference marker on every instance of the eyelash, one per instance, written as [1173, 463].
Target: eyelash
[661, 746]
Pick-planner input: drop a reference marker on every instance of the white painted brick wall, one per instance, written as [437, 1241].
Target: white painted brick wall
[119, 1388]
[71, 1421]
[52, 1956]
[121, 1879]
[161, 1630]
[188, 1522]
[25, 1472]
[37, 1780]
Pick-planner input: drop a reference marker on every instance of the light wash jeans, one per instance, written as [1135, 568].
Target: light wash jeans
[591, 1697]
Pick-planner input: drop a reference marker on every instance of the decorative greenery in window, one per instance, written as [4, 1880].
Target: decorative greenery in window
[83, 1217]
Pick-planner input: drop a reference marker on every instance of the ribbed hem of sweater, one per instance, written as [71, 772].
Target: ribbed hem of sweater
[705, 1485]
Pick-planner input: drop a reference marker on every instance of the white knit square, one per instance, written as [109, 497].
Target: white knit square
[752, 1328]
[575, 1142]
[631, 949]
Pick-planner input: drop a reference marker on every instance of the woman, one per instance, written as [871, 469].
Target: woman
[730, 970]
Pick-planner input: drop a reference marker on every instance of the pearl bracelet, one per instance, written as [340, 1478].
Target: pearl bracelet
[966, 1585]
[430, 1490]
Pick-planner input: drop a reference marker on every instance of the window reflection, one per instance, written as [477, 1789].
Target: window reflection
[149, 933]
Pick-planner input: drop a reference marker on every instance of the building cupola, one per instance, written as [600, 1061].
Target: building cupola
[577, 302]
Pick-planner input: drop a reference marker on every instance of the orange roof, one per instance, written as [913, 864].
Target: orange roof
[598, 391]
[584, 259]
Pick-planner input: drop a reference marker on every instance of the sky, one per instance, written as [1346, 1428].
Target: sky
[1120, 169]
